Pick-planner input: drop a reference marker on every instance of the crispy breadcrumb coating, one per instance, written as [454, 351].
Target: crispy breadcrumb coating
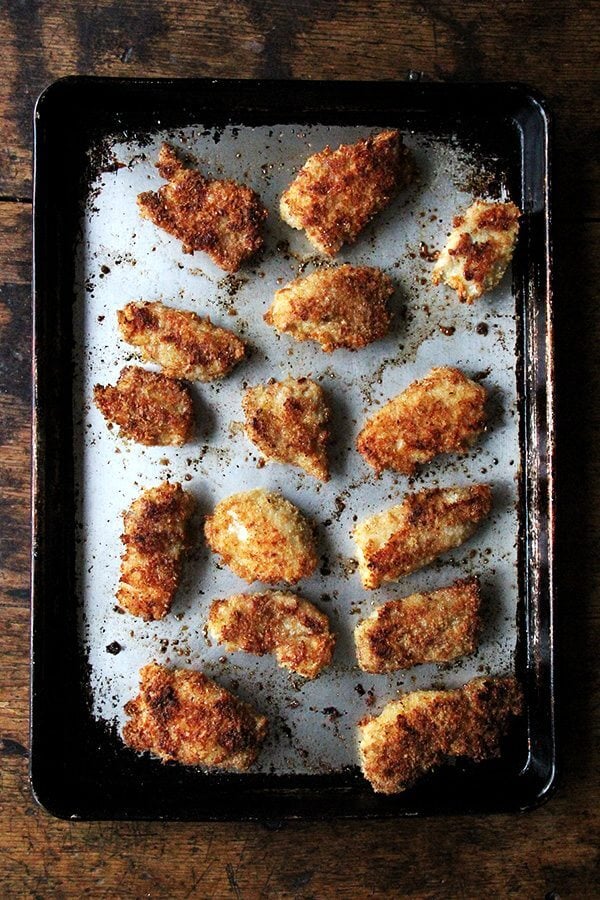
[183, 716]
[222, 218]
[287, 420]
[442, 413]
[156, 537]
[184, 344]
[345, 306]
[274, 622]
[423, 729]
[479, 249]
[438, 626]
[337, 192]
[149, 407]
[411, 535]
[262, 537]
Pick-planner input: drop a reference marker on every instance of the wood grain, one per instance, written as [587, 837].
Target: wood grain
[550, 853]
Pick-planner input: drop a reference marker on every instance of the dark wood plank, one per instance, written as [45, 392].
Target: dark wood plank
[554, 47]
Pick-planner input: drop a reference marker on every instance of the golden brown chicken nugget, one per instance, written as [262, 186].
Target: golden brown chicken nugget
[222, 218]
[345, 306]
[442, 413]
[411, 535]
[337, 192]
[479, 249]
[184, 716]
[148, 407]
[274, 622]
[437, 626]
[287, 420]
[261, 536]
[423, 729]
[184, 344]
[155, 537]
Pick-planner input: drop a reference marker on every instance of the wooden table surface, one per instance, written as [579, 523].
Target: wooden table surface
[549, 853]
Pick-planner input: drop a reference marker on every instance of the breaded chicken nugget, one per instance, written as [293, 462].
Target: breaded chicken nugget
[407, 537]
[155, 537]
[442, 413]
[274, 622]
[148, 407]
[337, 192]
[262, 537]
[423, 729]
[287, 420]
[184, 716]
[435, 627]
[184, 344]
[345, 306]
[222, 218]
[479, 249]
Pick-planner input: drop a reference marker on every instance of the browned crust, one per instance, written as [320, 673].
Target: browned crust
[261, 536]
[183, 343]
[438, 626]
[423, 730]
[342, 307]
[337, 192]
[429, 523]
[156, 537]
[184, 716]
[287, 420]
[222, 218]
[442, 413]
[274, 622]
[148, 407]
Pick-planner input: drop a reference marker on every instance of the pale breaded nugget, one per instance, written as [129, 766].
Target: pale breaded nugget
[184, 716]
[442, 413]
[149, 407]
[274, 622]
[423, 729]
[184, 344]
[337, 192]
[479, 249]
[222, 218]
[155, 537]
[345, 306]
[438, 626]
[287, 420]
[262, 537]
[409, 536]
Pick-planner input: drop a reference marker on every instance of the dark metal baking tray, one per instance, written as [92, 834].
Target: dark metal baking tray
[81, 769]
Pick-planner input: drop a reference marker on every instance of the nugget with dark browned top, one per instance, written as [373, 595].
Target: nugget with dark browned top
[222, 218]
[345, 306]
[442, 413]
[479, 249]
[423, 729]
[287, 420]
[438, 626]
[262, 537]
[184, 716]
[184, 344]
[337, 192]
[149, 407]
[274, 622]
[411, 535]
[156, 536]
